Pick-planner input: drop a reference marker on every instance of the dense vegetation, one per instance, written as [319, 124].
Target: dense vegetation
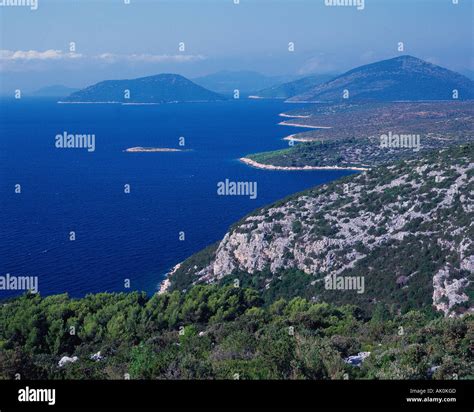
[225, 332]
[314, 154]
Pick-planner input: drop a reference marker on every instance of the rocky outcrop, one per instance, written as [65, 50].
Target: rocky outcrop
[66, 359]
[448, 292]
[356, 360]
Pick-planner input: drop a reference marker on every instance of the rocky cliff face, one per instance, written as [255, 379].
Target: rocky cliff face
[403, 223]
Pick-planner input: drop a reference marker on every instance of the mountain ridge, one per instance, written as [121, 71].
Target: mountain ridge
[400, 78]
[295, 87]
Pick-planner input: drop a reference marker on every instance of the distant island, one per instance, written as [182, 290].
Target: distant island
[161, 88]
[403, 78]
[56, 90]
[140, 149]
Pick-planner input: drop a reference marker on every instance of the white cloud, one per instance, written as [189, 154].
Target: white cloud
[150, 58]
[19, 55]
[35, 60]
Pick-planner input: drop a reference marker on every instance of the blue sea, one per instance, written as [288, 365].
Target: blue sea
[128, 236]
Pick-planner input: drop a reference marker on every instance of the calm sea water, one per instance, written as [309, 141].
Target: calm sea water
[136, 235]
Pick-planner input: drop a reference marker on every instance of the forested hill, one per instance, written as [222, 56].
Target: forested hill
[400, 78]
[213, 332]
[162, 88]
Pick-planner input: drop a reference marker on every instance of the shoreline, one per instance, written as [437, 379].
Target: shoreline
[303, 101]
[166, 283]
[295, 116]
[139, 103]
[284, 123]
[253, 163]
[293, 138]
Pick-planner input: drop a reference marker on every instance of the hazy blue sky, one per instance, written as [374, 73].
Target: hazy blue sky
[117, 40]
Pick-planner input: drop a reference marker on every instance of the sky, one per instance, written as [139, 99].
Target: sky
[114, 40]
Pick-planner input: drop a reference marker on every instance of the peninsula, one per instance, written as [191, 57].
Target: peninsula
[258, 165]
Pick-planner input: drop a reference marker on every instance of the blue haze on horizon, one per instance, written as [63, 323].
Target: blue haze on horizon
[116, 40]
